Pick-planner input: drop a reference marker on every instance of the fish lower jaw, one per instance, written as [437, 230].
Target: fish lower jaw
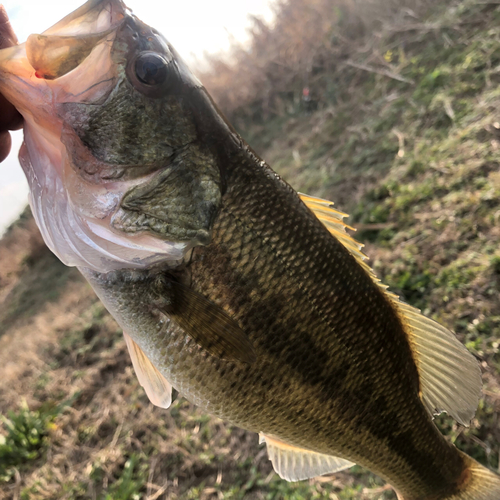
[84, 238]
[75, 217]
[88, 244]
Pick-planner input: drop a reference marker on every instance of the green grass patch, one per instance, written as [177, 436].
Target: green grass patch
[131, 483]
[25, 435]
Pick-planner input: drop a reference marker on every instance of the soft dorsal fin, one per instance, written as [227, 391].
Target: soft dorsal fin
[450, 377]
[157, 387]
[294, 464]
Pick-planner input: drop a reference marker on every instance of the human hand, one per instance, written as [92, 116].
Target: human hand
[10, 119]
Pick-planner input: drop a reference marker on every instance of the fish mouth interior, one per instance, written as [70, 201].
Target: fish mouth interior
[95, 16]
[65, 45]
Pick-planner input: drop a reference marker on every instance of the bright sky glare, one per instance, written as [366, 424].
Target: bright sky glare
[192, 26]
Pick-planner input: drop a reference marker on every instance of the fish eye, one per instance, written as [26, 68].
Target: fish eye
[151, 68]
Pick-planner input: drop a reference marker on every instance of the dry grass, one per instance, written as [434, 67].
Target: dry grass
[309, 39]
[20, 243]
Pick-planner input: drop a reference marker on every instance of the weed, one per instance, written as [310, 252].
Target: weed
[495, 264]
[26, 436]
[131, 483]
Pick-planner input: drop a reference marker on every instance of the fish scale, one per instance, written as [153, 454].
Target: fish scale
[297, 318]
[335, 406]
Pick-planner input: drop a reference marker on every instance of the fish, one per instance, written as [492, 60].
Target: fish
[248, 298]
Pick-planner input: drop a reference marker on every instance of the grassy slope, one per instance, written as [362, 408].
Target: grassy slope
[416, 164]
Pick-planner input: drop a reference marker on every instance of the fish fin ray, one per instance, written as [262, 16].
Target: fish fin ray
[450, 377]
[333, 221]
[294, 464]
[157, 387]
[207, 324]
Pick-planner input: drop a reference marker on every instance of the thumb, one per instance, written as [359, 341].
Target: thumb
[7, 35]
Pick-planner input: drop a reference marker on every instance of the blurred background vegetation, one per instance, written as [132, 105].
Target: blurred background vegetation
[401, 128]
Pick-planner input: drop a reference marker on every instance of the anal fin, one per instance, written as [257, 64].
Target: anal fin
[294, 464]
[157, 387]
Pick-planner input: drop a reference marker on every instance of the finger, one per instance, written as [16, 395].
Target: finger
[7, 35]
[10, 118]
[5, 144]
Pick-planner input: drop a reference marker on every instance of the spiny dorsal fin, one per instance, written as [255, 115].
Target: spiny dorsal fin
[157, 387]
[333, 220]
[449, 375]
[294, 464]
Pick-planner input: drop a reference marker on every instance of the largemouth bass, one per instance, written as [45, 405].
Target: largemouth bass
[248, 298]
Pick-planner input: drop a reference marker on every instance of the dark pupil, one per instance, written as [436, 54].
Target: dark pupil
[151, 69]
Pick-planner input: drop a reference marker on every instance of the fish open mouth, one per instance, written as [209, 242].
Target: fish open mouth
[58, 50]
[76, 65]
[63, 47]
[69, 62]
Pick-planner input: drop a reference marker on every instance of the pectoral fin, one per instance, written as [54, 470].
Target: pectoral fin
[206, 322]
[294, 464]
[157, 387]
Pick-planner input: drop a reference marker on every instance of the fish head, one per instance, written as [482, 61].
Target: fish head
[118, 174]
